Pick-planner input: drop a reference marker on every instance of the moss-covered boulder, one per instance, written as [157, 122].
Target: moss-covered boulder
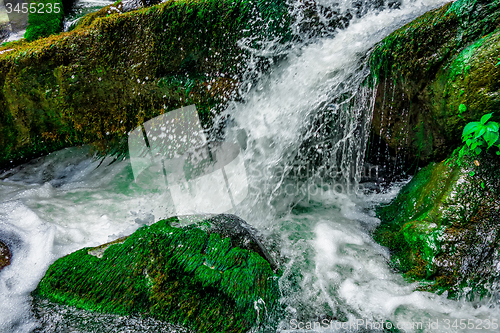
[191, 275]
[443, 228]
[99, 81]
[435, 75]
[5, 255]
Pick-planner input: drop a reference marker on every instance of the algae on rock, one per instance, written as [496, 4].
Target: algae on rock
[430, 67]
[101, 80]
[443, 227]
[189, 275]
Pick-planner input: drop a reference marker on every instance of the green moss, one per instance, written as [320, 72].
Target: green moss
[101, 80]
[461, 64]
[46, 20]
[442, 228]
[180, 275]
[427, 69]
[461, 7]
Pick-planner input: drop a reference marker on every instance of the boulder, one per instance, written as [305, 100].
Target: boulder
[5, 255]
[212, 275]
[433, 76]
[106, 77]
[443, 228]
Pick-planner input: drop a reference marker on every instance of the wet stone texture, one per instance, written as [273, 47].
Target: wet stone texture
[434, 75]
[5, 256]
[443, 227]
[54, 87]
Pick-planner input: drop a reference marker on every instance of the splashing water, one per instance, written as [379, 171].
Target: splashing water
[304, 127]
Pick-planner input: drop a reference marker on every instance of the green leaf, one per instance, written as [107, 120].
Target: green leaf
[493, 126]
[470, 128]
[462, 108]
[485, 118]
[469, 141]
[462, 152]
[482, 185]
[498, 152]
[478, 150]
[480, 131]
[472, 173]
[491, 138]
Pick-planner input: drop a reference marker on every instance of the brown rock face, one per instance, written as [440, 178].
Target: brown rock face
[4, 255]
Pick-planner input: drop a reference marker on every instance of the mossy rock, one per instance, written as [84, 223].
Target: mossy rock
[434, 75]
[189, 275]
[5, 256]
[443, 227]
[98, 82]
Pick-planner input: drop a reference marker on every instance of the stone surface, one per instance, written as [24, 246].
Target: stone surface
[112, 73]
[204, 276]
[5, 255]
[443, 228]
[426, 70]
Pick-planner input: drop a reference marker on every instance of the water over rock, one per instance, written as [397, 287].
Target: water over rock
[5, 255]
[212, 275]
[435, 75]
[443, 227]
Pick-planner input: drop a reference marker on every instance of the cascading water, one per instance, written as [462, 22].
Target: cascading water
[304, 128]
[81, 8]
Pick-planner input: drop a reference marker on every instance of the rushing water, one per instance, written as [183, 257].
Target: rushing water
[81, 8]
[304, 131]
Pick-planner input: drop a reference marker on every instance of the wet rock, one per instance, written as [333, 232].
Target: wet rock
[128, 5]
[318, 18]
[426, 70]
[134, 66]
[17, 19]
[53, 317]
[5, 31]
[443, 228]
[204, 275]
[241, 234]
[5, 255]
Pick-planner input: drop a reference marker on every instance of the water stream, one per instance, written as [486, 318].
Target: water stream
[304, 128]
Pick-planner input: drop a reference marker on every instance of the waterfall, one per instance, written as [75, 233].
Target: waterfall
[311, 115]
[303, 127]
